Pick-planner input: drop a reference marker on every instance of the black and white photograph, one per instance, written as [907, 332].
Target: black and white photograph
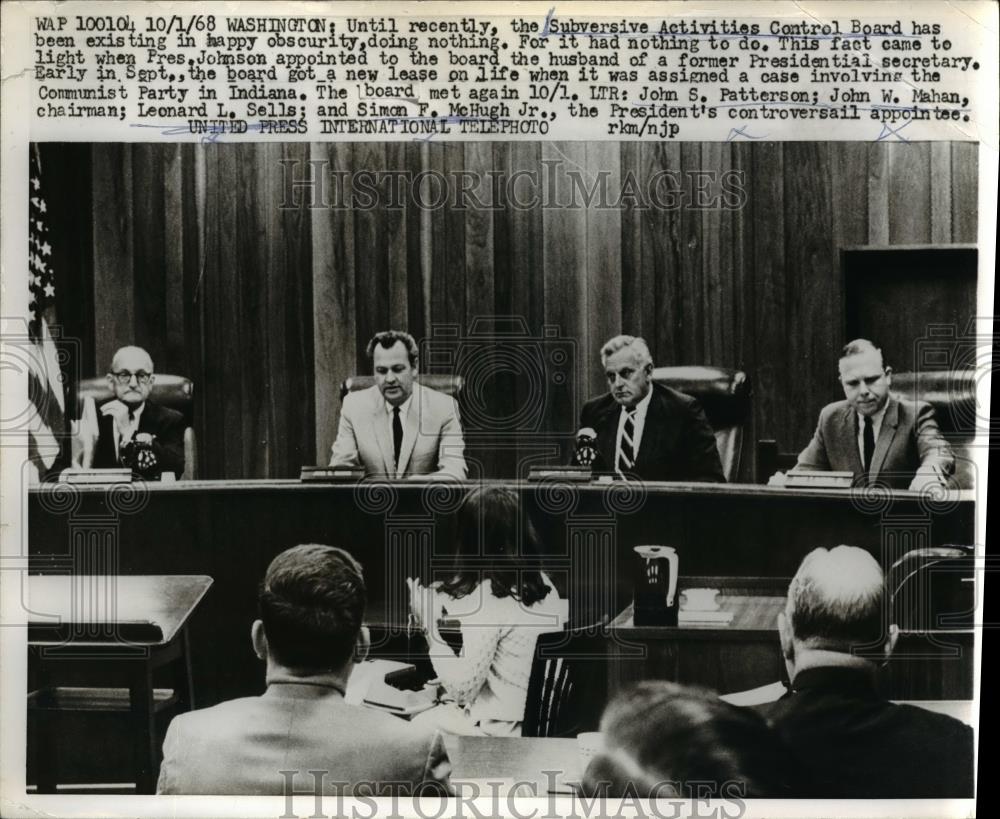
[365, 475]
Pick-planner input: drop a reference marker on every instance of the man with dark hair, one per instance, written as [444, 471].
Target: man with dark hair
[300, 735]
[850, 743]
[398, 428]
[645, 430]
[878, 437]
[132, 430]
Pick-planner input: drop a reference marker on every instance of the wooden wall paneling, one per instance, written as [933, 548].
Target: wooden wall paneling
[878, 193]
[849, 191]
[395, 191]
[941, 196]
[518, 234]
[418, 272]
[291, 423]
[432, 195]
[486, 372]
[149, 249]
[175, 246]
[564, 253]
[603, 293]
[718, 279]
[741, 156]
[660, 257]
[965, 192]
[454, 238]
[813, 284]
[114, 283]
[227, 201]
[371, 258]
[254, 258]
[770, 293]
[334, 326]
[909, 193]
[691, 320]
[637, 284]
[190, 357]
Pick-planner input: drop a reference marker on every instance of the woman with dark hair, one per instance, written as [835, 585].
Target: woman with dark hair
[502, 599]
[667, 740]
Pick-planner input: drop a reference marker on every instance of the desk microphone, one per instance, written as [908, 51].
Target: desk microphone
[586, 447]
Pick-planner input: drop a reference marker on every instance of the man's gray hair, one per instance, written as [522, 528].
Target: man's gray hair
[637, 344]
[836, 601]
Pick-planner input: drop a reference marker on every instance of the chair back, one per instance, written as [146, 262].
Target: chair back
[447, 383]
[952, 394]
[173, 391]
[933, 589]
[725, 396]
[568, 686]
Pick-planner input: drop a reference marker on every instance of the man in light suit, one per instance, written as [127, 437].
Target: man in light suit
[877, 437]
[397, 428]
[300, 735]
[644, 430]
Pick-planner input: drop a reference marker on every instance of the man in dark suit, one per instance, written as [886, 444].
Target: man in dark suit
[849, 741]
[300, 735]
[644, 430]
[874, 435]
[132, 430]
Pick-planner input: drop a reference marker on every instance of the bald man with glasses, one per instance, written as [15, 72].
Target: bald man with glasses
[132, 430]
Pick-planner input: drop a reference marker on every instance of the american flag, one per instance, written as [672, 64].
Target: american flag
[45, 379]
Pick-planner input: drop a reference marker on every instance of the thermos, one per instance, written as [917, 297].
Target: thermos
[655, 590]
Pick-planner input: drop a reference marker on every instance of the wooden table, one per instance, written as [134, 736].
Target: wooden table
[95, 644]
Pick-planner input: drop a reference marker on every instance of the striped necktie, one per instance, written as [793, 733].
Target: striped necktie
[626, 451]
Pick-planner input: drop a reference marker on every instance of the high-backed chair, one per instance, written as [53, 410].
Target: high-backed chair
[448, 384]
[173, 391]
[725, 397]
[933, 589]
[568, 686]
[952, 394]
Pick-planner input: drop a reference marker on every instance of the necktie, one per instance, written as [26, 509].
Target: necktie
[397, 435]
[126, 435]
[626, 456]
[869, 441]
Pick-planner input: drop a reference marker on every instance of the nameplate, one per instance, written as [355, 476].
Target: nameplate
[795, 479]
[581, 474]
[96, 476]
[331, 474]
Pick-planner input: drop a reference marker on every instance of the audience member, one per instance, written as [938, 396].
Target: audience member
[312, 604]
[850, 742]
[502, 599]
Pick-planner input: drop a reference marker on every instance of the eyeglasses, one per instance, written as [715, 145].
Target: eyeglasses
[124, 377]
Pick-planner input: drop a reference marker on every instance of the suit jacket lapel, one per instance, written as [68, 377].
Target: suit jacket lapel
[381, 421]
[849, 440]
[411, 425]
[607, 435]
[885, 435]
[656, 422]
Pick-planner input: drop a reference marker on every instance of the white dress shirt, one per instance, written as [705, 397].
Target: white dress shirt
[638, 425]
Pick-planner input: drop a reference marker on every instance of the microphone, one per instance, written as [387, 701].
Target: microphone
[586, 447]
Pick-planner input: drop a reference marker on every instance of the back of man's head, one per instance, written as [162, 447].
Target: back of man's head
[312, 604]
[836, 600]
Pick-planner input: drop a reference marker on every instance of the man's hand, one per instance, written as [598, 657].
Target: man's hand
[117, 410]
[927, 478]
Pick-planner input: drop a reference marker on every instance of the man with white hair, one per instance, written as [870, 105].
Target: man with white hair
[849, 741]
[645, 430]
